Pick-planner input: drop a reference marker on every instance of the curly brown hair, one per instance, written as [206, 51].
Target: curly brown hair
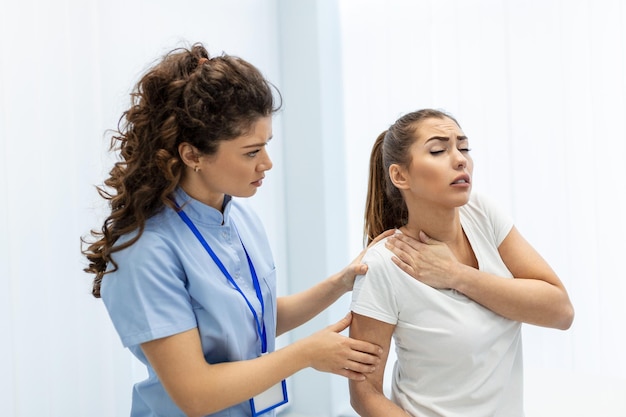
[187, 96]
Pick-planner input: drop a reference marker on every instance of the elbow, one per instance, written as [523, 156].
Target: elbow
[567, 317]
[357, 398]
[194, 407]
[561, 312]
[191, 410]
[357, 406]
[355, 401]
[197, 412]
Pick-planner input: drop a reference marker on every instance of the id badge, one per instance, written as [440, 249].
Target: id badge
[270, 399]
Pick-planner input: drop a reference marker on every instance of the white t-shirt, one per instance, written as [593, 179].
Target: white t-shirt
[455, 358]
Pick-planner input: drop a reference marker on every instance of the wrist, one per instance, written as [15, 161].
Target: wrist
[305, 352]
[340, 282]
[459, 276]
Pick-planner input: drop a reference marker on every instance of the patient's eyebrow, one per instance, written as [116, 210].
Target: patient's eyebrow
[445, 138]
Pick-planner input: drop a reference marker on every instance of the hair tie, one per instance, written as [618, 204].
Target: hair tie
[202, 61]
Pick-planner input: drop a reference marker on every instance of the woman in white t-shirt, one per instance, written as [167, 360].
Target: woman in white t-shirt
[457, 327]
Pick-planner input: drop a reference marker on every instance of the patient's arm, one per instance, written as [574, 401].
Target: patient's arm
[367, 397]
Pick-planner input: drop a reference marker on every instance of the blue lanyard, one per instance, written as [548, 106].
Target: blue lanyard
[260, 324]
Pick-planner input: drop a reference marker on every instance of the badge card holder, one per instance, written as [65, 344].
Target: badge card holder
[270, 399]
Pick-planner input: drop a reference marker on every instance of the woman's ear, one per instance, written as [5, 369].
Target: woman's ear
[189, 154]
[398, 176]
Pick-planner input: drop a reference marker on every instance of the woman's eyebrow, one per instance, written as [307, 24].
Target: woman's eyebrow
[445, 138]
[256, 145]
[441, 138]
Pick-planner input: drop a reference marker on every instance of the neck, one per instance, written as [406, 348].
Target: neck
[442, 224]
[197, 192]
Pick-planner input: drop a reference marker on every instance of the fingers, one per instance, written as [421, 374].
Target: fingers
[343, 355]
[361, 362]
[363, 356]
[378, 238]
[342, 324]
[403, 241]
[358, 269]
[364, 362]
[360, 350]
[403, 266]
[354, 374]
[350, 374]
[381, 236]
[405, 255]
[364, 351]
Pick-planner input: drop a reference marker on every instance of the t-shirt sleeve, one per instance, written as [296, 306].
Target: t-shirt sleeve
[501, 223]
[146, 297]
[373, 294]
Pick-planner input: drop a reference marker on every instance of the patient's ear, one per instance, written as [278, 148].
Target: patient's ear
[399, 176]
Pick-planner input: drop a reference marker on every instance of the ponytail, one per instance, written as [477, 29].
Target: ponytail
[384, 207]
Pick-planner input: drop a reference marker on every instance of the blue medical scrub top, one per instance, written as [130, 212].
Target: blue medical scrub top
[166, 283]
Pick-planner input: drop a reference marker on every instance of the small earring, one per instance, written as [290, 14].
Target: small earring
[196, 169]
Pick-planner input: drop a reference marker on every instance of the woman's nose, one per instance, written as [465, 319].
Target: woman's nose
[266, 163]
[461, 159]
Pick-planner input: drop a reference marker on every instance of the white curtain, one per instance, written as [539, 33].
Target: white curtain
[540, 89]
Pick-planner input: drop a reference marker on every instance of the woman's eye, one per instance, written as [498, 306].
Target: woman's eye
[253, 153]
[464, 149]
[437, 151]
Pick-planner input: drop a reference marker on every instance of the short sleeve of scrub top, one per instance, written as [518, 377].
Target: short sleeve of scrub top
[150, 299]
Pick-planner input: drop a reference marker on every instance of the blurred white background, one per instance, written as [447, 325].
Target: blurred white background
[538, 86]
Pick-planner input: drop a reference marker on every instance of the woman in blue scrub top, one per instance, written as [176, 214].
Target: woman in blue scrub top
[184, 266]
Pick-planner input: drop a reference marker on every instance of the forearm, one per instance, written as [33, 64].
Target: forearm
[199, 388]
[235, 382]
[369, 401]
[527, 300]
[367, 397]
[295, 310]
[535, 296]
